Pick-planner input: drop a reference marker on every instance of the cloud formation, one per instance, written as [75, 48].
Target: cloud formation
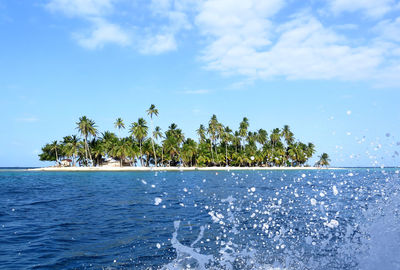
[257, 39]
[252, 40]
[101, 33]
[303, 49]
[105, 29]
[81, 7]
[371, 8]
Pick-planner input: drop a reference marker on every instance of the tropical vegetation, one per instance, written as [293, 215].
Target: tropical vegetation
[216, 145]
[323, 160]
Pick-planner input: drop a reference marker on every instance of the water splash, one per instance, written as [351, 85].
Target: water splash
[288, 228]
[187, 257]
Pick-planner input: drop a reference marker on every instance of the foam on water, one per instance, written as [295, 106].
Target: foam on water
[187, 257]
[250, 231]
[382, 233]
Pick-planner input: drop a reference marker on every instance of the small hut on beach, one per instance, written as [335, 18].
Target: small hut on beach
[66, 163]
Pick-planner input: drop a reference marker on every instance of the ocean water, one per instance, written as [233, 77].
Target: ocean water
[327, 219]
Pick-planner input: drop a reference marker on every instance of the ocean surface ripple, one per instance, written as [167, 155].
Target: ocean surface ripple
[298, 219]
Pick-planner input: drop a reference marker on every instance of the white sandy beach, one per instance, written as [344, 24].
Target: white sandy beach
[146, 169]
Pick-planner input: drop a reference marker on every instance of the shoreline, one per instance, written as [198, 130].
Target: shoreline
[173, 169]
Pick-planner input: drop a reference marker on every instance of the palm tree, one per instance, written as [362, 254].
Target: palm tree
[323, 160]
[252, 138]
[87, 128]
[173, 140]
[147, 151]
[236, 140]
[262, 136]
[108, 140]
[201, 132]
[55, 147]
[275, 137]
[153, 111]
[47, 153]
[179, 140]
[217, 146]
[310, 150]
[122, 149]
[212, 131]
[119, 124]
[189, 150]
[243, 127]
[295, 153]
[157, 134]
[71, 147]
[287, 134]
[139, 131]
[97, 151]
[226, 138]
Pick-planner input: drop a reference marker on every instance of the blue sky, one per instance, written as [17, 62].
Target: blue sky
[330, 69]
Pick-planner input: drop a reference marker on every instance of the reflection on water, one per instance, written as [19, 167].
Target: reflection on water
[328, 219]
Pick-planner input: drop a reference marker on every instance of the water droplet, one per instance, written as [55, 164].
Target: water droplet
[157, 201]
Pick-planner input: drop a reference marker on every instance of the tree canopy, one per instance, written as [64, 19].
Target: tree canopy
[216, 145]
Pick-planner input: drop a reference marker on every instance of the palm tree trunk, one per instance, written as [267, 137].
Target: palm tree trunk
[86, 151]
[90, 156]
[56, 156]
[226, 154]
[212, 155]
[162, 156]
[154, 150]
[152, 142]
[179, 157]
[141, 156]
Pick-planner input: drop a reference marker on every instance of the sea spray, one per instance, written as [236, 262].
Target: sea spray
[187, 257]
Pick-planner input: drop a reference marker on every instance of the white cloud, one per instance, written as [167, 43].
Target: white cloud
[252, 38]
[158, 44]
[371, 8]
[151, 39]
[237, 30]
[175, 11]
[81, 7]
[233, 21]
[306, 49]
[174, 14]
[348, 26]
[102, 33]
[389, 29]
[245, 42]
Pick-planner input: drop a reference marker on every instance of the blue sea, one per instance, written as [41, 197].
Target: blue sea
[297, 219]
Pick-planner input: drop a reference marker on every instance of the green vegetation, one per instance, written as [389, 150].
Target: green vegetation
[323, 160]
[217, 145]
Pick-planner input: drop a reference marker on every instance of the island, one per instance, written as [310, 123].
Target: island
[149, 148]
